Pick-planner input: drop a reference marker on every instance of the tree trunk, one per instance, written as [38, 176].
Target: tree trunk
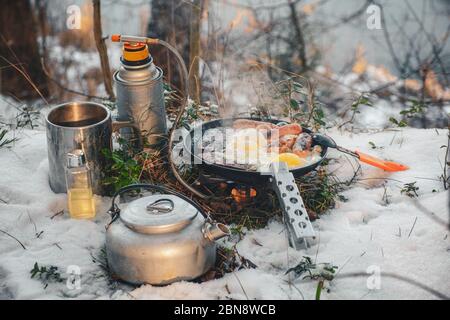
[102, 50]
[299, 37]
[194, 51]
[170, 21]
[19, 51]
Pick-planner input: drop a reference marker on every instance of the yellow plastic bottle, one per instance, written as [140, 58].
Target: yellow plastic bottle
[80, 197]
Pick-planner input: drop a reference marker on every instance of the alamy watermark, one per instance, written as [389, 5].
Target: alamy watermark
[73, 21]
[374, 17]
[73, 281]
[373, 282]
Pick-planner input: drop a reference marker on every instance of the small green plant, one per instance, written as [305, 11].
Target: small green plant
[363, 99]
[320, 191]
[170, 95]
[47, 274]
[410, 189]
[298, 99]
[314, 271]
[236, 230]
[209, 109]
[190, 114]
[111, 105]
[124, 169]
[318, 115]
[27, 117]
[5, 142]
[417, 109]
[399, 123]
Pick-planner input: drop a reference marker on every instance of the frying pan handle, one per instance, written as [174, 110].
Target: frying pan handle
[328, 142]
[379, 163]
[295, 215]
[324, 140]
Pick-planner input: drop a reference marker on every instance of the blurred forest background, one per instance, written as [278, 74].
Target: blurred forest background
[242, 54]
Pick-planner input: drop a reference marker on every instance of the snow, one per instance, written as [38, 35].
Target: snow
[360, 233]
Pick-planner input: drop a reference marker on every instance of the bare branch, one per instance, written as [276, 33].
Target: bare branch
[102, 50]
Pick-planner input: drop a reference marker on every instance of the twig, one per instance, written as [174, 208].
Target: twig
[431, 214]
[445, 176]
[348, 18]
[414, 224]
[290, 283]
[47, 73]
[14, 239]
[311, 104]
[388, 41]
[27, 77]
[401, 278]
[102, 50]
[57, 245]
[240, 284]
[57, 214]
[341, 268]
[318, 247]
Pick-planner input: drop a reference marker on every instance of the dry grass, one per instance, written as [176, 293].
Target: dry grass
[319, 190]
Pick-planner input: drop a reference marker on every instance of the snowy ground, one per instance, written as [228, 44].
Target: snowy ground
[365, 231]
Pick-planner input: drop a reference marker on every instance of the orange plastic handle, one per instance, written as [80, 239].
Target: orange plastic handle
[133, 39]
[382, 164]
[115, 38]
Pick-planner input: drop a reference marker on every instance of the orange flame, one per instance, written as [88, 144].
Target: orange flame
[243, 195]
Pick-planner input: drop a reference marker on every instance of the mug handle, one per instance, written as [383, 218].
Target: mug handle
[117, 125]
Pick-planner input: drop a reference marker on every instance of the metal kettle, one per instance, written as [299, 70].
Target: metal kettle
[161, 238]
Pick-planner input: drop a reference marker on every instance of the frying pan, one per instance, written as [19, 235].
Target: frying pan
[281, 179]
[251, 177]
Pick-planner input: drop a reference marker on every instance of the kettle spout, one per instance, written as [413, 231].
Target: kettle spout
[216, 231]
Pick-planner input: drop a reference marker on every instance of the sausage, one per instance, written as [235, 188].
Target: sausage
[303, 142]
[292, 128]
[266, 126]
[249, 124]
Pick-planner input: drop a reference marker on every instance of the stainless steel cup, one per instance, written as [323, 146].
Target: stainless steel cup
[80, 125]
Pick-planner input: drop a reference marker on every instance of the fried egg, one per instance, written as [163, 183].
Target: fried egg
[246, 146]
[250, 148]
[291, 159]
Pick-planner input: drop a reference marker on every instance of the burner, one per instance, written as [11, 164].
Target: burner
[239, 192]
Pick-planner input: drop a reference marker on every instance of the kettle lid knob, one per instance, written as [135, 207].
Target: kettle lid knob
[160, 206]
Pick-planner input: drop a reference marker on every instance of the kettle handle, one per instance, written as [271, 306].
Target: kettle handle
[114, 210]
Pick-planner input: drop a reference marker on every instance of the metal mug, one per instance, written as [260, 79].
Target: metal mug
[80, 125]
